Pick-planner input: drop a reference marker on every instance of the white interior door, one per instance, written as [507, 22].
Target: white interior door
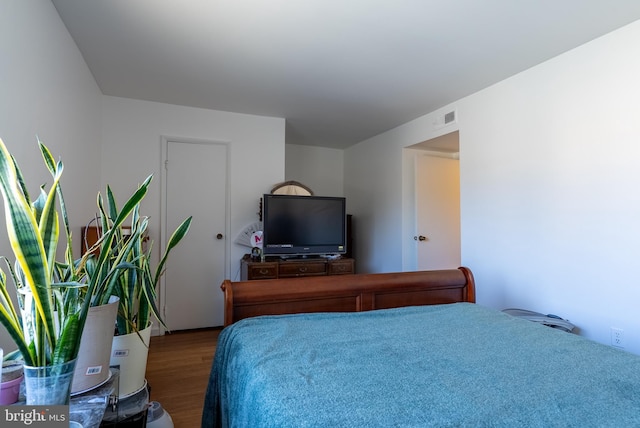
[438, 212]
[195, 184]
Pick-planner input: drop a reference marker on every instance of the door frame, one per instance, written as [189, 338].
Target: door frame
[165, 234]
[440, 145]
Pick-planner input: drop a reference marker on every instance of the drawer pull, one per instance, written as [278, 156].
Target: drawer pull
[302, 269]
[264, 271]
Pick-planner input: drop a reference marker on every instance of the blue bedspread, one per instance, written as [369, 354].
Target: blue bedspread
[458, 365]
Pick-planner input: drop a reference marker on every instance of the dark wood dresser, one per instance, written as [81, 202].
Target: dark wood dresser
[274, 267]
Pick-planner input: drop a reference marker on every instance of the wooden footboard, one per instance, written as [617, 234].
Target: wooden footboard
[345, 293]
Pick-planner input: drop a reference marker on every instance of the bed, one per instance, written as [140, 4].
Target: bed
[405, 350]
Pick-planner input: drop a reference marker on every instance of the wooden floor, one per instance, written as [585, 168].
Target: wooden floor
[178, 368]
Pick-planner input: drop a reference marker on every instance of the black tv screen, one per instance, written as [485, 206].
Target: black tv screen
[301, 225]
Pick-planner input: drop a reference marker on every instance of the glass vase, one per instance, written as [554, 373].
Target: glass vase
[49, 385]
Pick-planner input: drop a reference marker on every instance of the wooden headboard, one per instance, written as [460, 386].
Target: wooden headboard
[345, 293]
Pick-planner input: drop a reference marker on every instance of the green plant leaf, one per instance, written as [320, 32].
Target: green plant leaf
[68, 346]
[26, 242]
[10, 319]
[53, 168]
[175, 238]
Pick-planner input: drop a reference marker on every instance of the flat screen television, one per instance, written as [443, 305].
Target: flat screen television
[303, 225]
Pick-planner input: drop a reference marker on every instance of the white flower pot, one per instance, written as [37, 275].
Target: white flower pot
[92, 364]
[130, 353]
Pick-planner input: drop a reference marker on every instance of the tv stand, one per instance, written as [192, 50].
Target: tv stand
[276, 267]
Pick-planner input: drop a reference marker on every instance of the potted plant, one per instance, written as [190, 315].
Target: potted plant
[48, 327]
[122, 268]
[10, 378]
[54, 297]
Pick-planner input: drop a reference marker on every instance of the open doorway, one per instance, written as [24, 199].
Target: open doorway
[437, 203]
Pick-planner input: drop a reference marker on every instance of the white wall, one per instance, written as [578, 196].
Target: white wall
[132, 133]
[549, 198]
[372, 180]
[319, 168]
[551, 206]
[47, 90]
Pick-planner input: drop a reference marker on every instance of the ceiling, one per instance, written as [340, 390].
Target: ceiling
[339, 71]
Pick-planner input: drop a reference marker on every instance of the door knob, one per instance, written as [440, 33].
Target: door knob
[219, 236]
[420, 238]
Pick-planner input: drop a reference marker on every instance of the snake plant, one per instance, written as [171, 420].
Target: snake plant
[53, 315]
[54, 297]
[123, 265]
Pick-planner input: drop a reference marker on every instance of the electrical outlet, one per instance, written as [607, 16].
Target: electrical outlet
[617, 337]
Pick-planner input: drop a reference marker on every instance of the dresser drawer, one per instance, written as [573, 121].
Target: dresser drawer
[288, 269]
[262, 271]
[341, 267]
